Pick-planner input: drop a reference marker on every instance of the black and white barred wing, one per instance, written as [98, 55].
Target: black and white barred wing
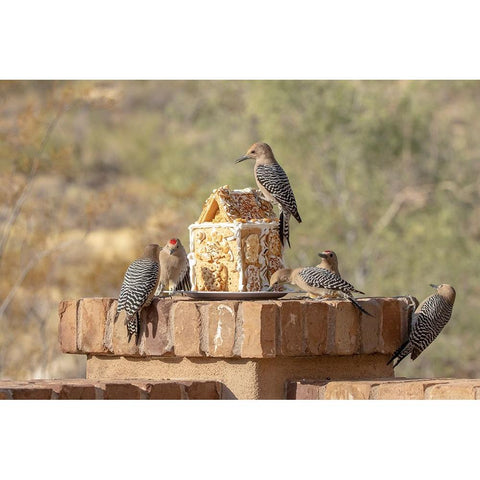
[322, 278]
[429, 322]
[184, 283]
[274, 179]
[140, 279]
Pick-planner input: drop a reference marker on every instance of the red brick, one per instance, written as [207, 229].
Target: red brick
[92, 315]
[166, 391]
[370, 327]
[123, 391]
[258, 329]
[316, 327]
[398, 390]
[54, 385]
[31, 392]
[331, 347]
[155, 332]
[5, 394]
[220, 330]
[202, 391]
[347, 329]
[391, 326]
[291, 389]
[347, 390]
[452, 390]
[109, 324]
[67, 326]
[186, 329]
[291, 328]
[302, 391]
[79, 392]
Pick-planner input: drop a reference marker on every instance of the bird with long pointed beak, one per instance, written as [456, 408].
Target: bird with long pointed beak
[273, 183]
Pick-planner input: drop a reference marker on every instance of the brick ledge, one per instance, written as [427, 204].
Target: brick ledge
[181, 327]
[86, 389]
[386, 389]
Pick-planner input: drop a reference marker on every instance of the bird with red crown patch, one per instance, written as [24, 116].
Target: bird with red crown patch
[174, 268]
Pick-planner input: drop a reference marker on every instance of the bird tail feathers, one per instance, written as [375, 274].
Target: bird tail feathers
[184, 283]
[359, 306]
[133, 327]
[400, 353]
[284, 228]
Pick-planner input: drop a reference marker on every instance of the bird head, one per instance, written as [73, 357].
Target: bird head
[446, 291]
[330, 257]
[152, 251]
[280, 276]
[257, 150]
[172, 245]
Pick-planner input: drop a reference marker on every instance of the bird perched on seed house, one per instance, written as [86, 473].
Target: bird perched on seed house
[235, 244]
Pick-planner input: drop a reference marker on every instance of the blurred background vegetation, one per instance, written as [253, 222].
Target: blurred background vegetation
[386, 173]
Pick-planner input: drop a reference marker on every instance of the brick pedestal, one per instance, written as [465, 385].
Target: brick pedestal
[252, 347]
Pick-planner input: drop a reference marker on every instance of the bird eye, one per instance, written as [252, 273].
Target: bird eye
[331, 255]
[253, 151]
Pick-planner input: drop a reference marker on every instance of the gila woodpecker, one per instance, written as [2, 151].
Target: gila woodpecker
[174, 268]
[274, 185]
[138, 288]
[330, 262]
[318, 282]
[427, 322]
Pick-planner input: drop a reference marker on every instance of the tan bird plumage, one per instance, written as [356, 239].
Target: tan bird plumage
[330, 262]
[174, 268]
